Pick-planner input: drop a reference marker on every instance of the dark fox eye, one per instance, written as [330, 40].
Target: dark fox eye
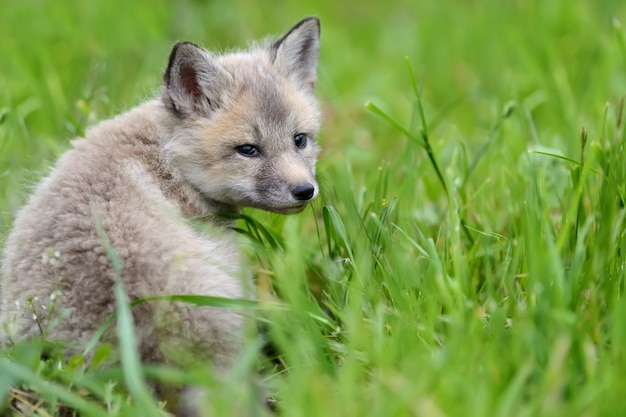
[247, 150]
[300, 140]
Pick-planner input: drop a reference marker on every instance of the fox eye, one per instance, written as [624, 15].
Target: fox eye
[248, 150]
[300, 140]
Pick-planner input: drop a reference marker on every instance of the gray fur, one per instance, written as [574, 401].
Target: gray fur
[147, 172]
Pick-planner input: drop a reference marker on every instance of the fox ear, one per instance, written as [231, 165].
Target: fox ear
[297, 52]
[194, 80]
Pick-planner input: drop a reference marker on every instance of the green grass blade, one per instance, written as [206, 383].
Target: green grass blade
[129, 353]
[15, 372]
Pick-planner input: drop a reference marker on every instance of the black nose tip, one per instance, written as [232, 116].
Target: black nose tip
[303, 192]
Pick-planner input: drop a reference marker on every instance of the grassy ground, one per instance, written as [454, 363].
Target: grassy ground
[467, 254]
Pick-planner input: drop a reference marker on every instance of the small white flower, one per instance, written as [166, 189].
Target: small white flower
[35, 317]
[17, 304]
[53, 296]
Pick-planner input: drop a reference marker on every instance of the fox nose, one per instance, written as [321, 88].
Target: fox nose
[303, 192]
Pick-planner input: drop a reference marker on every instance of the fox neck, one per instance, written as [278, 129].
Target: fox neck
[190, 201]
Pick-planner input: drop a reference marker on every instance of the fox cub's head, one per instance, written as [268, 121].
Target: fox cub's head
[246, 124]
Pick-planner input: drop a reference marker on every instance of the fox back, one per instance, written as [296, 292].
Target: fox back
[226, 132]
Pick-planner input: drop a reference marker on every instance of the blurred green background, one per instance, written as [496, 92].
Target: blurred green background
[519, 313]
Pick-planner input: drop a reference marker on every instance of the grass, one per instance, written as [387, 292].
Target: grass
[466, 256]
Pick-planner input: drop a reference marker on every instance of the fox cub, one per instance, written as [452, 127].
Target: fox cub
[227, 131]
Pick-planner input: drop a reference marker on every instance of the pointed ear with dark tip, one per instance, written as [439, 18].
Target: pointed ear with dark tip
[194, 81]
[297, 52]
